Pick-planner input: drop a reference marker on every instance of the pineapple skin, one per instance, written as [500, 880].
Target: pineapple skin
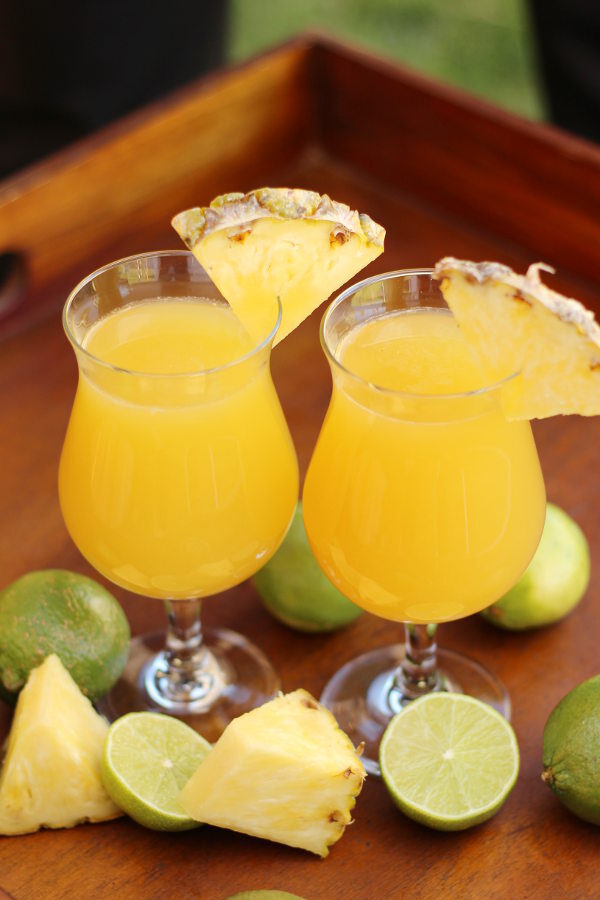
[237, 209]
[285, 772]
[516, 324]
[50, 776]
[286, 243]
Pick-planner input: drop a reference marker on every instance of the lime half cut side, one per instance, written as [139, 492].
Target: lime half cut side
[148, 758]
[449, 761]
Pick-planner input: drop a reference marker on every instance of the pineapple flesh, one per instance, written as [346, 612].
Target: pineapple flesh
[291, 244]
[284, 771]
[50, 776]
[518, 325]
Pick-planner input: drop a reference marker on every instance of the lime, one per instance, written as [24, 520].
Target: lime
[148, 758]
[449, 761]
[294, 589]
[264, 895]
[570, 750]
[56, 611]
[554, 582]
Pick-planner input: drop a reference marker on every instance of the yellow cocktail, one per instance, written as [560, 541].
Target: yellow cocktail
[445, 501]
[181, 486]
[178, 477]
[422, 502]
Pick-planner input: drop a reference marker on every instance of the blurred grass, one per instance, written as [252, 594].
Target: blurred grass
[483, 46]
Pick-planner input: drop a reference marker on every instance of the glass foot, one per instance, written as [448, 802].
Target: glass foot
[363, 697]
[238, 678]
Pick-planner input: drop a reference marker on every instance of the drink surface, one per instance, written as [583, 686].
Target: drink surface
[169, 337]
[414, 351]
[425, 506]
[179, 482]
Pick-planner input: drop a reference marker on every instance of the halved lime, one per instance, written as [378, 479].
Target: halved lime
[449, 761]
[148, 758]
[265, 895]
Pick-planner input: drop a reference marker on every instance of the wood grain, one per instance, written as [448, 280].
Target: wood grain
[226, 133]
[533, 848]
[536, 186]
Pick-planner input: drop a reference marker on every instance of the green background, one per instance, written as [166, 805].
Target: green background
[484, 46]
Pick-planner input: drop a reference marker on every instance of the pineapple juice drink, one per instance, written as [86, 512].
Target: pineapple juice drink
[422, 502]
[179, 482]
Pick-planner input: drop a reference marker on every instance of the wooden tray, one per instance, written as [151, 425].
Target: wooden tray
[446, 174]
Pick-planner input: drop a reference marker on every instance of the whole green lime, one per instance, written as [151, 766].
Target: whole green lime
[554, 582]
[295, 590]
[570, 750]
[56, 611]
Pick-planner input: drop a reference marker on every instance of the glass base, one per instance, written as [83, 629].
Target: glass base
[363, 697]
[238, 679]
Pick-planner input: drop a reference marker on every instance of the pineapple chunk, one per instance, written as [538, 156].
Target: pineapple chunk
[517, 324]
[278, 242]
[51, 772]
[284, 771]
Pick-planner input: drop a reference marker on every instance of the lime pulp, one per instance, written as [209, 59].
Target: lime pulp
[148, 758]
[449, 761]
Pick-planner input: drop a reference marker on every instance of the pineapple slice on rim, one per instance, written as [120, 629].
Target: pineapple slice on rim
[289, 243]
[50, 777]
[284, 771]
[517, 324]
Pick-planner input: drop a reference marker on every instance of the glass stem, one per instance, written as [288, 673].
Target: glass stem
[186, 672]
[184, 651]
[417, 675]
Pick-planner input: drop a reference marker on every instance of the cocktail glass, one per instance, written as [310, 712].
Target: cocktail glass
[421, 508]
[176, 484]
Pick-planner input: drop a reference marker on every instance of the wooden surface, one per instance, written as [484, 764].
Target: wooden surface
[446, 175]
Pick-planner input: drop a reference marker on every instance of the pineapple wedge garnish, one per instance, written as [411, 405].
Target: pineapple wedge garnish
[50, 776]
[517, 324]
[284, 771]
[293, 244]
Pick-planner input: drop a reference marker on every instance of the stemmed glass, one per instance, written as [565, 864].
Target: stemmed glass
[176, 481]
[420, 507]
